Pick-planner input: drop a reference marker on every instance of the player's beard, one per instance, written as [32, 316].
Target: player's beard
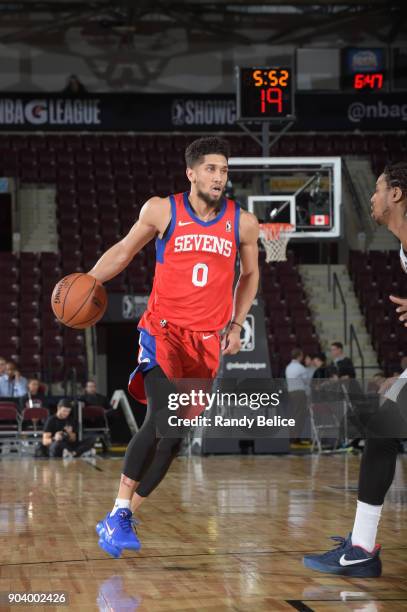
[383, 217]
[213, 202]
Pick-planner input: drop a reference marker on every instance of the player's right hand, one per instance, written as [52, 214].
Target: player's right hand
[231, 342]
[402, 308]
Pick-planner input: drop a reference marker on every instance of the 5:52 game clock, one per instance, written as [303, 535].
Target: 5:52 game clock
[265, 93]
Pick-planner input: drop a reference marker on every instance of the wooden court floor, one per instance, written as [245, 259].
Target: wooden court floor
[220, 533]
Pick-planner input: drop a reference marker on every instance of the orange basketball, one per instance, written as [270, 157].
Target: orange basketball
[79, 300]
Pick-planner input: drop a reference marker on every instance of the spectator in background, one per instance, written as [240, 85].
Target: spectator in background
[2, 366]
[35, 398]
[321, 370]
[321, 373]
[12, 384]
[74, 86]
[91, 397]
[309, 365]
[342, 363]
[298, 381]
[60, 435]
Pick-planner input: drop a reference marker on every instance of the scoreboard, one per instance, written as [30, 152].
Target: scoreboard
[265, 93]
[364, 69]
[357, 70]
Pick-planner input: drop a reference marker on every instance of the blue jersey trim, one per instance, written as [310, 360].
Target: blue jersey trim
[160, 243]
[237, 219]
[197, 219]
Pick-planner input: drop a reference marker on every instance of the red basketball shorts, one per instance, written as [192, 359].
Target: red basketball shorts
[181, 354]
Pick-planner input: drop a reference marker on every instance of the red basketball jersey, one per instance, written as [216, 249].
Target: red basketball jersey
[195, 267]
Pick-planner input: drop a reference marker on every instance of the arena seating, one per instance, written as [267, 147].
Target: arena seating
[288, 318]
[375, 276]
[29, 333]
[101, 181]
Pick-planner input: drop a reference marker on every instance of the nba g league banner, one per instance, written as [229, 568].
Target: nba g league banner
[191, 112]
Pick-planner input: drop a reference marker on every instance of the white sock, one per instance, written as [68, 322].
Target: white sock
[120, 503]
[365, 527]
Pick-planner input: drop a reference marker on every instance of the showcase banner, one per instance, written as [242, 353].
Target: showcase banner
[192, 112]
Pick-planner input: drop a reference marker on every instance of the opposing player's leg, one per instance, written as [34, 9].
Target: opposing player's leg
[148, 457]
[358, 555]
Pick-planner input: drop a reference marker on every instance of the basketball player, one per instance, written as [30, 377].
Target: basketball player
[358, 555]
[198, 236]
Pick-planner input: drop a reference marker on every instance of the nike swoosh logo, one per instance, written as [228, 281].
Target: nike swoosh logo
[110, 531]
[344, 562]
[184, 223]
[206, 337]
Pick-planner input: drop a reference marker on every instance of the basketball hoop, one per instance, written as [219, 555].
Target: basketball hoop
[274, 237]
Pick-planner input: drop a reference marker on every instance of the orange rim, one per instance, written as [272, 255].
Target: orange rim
[271, 231]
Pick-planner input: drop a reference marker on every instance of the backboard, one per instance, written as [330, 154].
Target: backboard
[303, 191]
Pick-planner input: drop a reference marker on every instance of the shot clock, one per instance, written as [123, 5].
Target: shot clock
[265, 93]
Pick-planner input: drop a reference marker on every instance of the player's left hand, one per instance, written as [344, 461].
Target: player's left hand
[231, 342]
[402, 308]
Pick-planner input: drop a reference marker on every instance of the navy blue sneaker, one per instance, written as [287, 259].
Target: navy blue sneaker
[116, 533]
[347, 560]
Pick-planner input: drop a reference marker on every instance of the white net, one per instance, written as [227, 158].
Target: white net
[274, 237]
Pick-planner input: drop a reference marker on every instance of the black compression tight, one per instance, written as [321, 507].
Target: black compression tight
[378, 463]
[149, 454]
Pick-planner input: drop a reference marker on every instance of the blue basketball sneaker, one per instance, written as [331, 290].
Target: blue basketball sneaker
[347, 560]
[116, 533]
